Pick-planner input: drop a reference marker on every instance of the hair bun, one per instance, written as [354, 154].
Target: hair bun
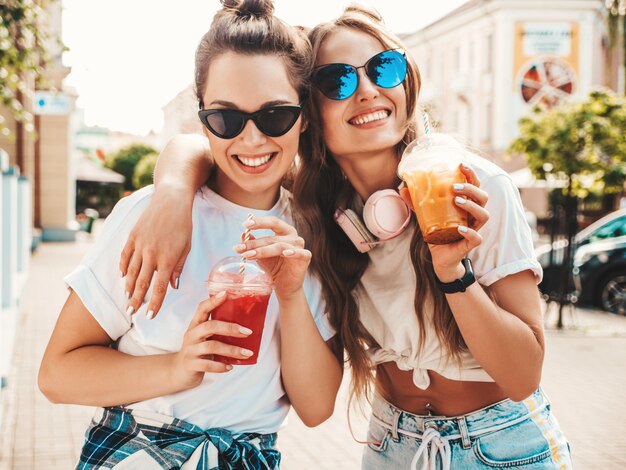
[250, 8]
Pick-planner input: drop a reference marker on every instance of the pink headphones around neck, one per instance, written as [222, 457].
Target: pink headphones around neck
[385, 216]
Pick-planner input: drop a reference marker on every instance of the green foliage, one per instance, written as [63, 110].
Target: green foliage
[581, 143]
[144, 171]
[126, 159]
[25, 52]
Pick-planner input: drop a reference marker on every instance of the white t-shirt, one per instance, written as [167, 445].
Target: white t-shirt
[385, 293]
[245, 399]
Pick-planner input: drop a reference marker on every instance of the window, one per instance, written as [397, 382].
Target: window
[614, 228]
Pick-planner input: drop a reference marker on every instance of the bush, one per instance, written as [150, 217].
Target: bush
[144, 171]
[126, 159]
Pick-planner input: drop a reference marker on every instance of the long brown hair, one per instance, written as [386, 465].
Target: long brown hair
[321, 187]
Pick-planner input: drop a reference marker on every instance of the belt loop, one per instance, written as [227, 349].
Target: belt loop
[465, 438]
[394, 426]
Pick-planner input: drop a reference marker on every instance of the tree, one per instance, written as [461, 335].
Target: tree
[25, 52]
[617, 28]
[126, 159]
[144, 171]
[582, 144]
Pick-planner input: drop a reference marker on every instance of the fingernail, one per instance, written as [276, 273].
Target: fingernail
[289, 252]
[248, 223]
[462, 228]
[176, 282]
[130, 310]
[121, 274]
[245, 331]
[458, 186]
[229, 367]
[220, 294]
[239, 247]
[249, 254]
[460, 200]
[246, 352]
[465, 165]
[128, 295]
[150, 314]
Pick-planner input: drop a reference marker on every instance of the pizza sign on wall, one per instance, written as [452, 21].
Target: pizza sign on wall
[546, 82]
[546, 62]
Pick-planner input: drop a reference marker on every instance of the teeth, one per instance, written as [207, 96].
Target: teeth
[254, 162]
[376, 116]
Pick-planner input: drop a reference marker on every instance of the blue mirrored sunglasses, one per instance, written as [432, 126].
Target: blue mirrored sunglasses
[386, 69]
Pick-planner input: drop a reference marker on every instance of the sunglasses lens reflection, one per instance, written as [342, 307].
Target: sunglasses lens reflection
[337, 81]
[387, 69]
[275, 122]
[226, 123]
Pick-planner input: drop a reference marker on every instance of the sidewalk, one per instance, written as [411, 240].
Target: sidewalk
[583, 375]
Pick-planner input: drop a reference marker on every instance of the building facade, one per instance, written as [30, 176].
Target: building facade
[43, 156]
[488, 62]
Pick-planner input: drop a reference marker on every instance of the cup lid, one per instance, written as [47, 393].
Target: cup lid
[231, 273]
[436, 141]
[432, 140]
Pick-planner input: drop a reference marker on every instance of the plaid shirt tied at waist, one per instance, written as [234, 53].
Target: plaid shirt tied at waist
[122, 438]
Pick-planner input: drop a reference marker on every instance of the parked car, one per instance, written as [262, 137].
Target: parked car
[596, 260]
[600, 274]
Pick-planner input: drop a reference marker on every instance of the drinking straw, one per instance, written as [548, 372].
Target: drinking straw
[245, 237]
[426, 123]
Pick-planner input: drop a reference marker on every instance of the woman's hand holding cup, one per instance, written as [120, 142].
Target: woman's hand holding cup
[469, 197]
[195, 357]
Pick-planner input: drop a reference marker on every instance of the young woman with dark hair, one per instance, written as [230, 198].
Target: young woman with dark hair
[165, 400]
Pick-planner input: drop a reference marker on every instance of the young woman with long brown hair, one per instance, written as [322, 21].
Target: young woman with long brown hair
[457, 363]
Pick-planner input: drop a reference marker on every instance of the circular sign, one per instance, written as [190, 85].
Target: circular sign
[546, 82]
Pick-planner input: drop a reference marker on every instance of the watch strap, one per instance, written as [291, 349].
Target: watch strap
[458, 285]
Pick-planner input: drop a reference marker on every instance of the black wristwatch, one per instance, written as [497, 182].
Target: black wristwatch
[458, 285]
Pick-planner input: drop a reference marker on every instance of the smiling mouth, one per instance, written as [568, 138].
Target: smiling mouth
[370, 117]
[254, 162]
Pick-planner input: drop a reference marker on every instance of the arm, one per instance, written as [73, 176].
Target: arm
[506, 337]
[80, 367]
[503, 331]
[182, 167]
[310, 369]
[311, 372]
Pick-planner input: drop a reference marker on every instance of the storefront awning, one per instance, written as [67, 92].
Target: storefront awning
[91, 171]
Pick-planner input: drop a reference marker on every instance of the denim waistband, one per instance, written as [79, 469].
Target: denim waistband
[491, 418]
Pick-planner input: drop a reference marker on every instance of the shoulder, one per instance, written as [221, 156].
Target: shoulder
[128, 210]
[486, 169]
[494, 180]
[135, 201]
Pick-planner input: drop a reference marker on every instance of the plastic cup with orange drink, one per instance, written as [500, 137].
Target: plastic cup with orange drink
[248, 288]
[429, 167]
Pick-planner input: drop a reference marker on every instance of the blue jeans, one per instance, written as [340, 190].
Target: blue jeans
[504, 435]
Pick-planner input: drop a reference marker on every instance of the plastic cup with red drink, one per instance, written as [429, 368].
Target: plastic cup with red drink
[248, 288]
